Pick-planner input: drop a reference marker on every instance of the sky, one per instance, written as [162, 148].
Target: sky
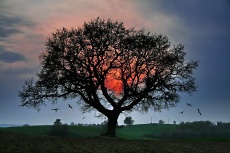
[203, 27]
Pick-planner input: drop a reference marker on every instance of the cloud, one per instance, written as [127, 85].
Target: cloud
[10, 57]
[6, 32]
[193, 20]
[17, 42]
[9, 25]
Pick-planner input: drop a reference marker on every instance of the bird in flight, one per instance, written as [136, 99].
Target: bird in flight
[182, 112]
[70, 106]
[199, 111]
[83, 118]
[56, 109]
[189, 104]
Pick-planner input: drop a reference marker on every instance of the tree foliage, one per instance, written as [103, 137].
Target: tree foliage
[109, 68]
[129, 120]
[161, 122]
[57, 122]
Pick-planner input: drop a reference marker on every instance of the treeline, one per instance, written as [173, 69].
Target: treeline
[196, 129]
[204, 126]
[60, 129]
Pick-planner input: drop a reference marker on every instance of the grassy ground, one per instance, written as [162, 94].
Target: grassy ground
[137, 131]
[87, 139]
[129, 132]
[76, 131]
[17, 142]
[134, 132]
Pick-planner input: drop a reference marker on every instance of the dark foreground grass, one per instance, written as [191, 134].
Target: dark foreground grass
[44, 130]
[129, 132]
[138, 131]
[13, 142]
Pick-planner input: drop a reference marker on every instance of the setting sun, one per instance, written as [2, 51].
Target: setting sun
[113, 82]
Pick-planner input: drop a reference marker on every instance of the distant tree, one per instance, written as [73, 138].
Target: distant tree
[161, 122]
[79, 124]
[111, 69]
[72, 124]
[128, 121]
[26, 125]
[57, 122]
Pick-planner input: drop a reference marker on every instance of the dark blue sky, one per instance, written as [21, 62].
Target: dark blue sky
[201, 26]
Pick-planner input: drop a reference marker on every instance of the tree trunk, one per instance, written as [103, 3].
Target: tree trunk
[112, 123]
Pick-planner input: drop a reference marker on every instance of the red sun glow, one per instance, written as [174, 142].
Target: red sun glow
[113, 83]
[137, 78]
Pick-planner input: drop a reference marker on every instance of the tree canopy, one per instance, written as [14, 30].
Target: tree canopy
[109, 68]
[129, 120]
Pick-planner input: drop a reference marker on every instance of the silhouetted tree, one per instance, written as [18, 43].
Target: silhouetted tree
[111, 69]
[161, 122]
[128, 121]
[57, 122]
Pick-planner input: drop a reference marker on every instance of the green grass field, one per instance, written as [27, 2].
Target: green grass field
[75, 131]
[129, 132]
[86, 139]
[133, 132]
[12, 142]
[138, 131]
